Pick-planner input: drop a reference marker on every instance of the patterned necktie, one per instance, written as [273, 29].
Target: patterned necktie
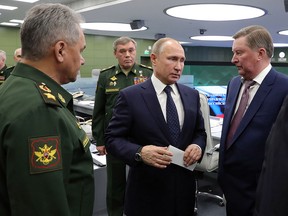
[240, 112]
[172, 116]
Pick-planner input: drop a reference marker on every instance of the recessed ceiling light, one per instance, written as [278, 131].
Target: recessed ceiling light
[28, 1]
[280, 44]
[110, 27]
[6, 7]
[215, 12]
[107, 4]
[283, 32]
[16, 21]
[212, 38]
[9, 24]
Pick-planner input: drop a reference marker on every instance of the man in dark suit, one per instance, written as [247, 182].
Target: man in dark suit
[242, 156]
[272, 191]
[139, 135]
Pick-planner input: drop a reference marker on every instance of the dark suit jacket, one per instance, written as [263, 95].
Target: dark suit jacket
[272, 192]
[138, 121]
[240, 165]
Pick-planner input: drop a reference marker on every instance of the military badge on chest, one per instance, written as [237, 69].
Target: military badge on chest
[113, 81]
[140, 78]
[112, 85]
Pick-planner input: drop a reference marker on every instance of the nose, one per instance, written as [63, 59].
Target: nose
[234, 59]
[179, 65]
[127, 53]
[82, 60]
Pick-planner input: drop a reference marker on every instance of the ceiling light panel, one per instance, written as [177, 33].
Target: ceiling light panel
[9, 24]
[6, 7]
[283, 32]
[27, 1]
[212, 38]
[110, 27]
[215, 12]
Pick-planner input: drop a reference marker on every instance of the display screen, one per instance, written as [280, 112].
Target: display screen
[216, 98]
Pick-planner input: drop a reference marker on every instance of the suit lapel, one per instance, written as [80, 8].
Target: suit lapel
[184, 98]
[231, 100]
[256, 103]
[152, 103]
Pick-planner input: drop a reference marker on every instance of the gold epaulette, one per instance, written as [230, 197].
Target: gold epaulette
[146, 66]
[105, 69]
[47, 95]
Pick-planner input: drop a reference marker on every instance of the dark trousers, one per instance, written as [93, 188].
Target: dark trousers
[116, 184]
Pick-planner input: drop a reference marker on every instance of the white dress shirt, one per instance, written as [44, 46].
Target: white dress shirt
[162, 98]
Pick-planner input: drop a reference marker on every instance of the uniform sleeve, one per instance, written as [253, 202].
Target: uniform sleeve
[98, 118]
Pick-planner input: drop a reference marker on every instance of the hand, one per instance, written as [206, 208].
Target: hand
[192, 154]
[101, 150]
[156, 156]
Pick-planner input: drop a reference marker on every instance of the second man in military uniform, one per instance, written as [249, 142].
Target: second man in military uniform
[111, 81]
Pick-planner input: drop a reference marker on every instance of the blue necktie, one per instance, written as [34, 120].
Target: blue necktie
[172, 116]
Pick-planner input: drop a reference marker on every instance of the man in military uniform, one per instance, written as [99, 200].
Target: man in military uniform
[111, 81]
[17, 58]
[2, 65]
[46, 167]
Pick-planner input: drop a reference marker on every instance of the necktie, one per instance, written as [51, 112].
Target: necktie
[240, 112]
[172, 116]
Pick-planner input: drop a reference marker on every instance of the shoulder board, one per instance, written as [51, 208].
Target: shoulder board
[105, 69]
[146, 66]
[47, 95]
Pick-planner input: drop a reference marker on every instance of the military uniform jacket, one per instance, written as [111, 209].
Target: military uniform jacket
[110, 82]
[45, 164]
[2, 74]
[8, 71]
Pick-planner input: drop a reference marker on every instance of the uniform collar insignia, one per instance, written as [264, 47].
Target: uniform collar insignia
[50, 96]
[43, 87]
[62, 99]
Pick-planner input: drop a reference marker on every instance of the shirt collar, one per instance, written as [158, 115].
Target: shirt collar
[159, 86]
[261, 76]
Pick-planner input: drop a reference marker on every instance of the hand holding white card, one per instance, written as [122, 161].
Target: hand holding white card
[177, 158]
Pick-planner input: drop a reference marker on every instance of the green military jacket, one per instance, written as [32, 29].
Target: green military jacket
[111, 81]
[46, 166]
[2, 74]
[8, 71]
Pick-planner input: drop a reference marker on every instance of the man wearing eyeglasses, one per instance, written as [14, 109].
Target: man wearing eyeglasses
[110, 82]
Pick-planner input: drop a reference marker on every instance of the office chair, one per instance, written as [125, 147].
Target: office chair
[210, 158]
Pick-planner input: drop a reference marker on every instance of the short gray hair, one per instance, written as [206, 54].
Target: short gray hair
[44, 25]
[2, 54]
[123, 41]
[257, 37]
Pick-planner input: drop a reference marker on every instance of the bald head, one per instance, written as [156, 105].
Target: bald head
[17, 54]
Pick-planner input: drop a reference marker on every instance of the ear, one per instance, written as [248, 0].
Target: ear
[153, 58]
[115, 54]
[262, 52]
[59, 51]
